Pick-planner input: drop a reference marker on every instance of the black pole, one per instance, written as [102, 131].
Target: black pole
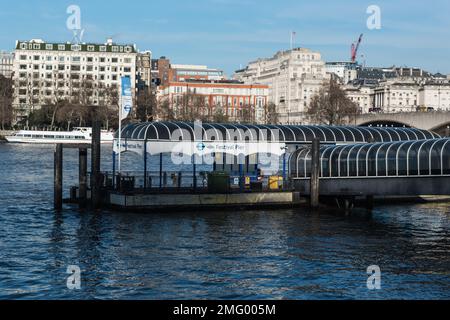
[58, 177]
[82, 177]
[194, 172]
[160, 170]
[95, 164]
[315, 173]
[145, 166]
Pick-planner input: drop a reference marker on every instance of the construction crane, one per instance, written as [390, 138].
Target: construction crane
[355, 48]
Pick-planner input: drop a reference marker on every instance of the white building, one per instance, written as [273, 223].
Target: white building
[397, 96]
[363, 96]
[46, 72]
[346, 71]
[293, 77]
[435, 95]
[6, 64]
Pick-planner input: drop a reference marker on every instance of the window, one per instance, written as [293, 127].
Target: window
[37, 47]
[126, 69]
[90, 59]
[89, 68]
[23, 57]
[114, 60]
[90, 48]
[76, 59]
[102, 60]
[48, 47]
[76, 47]
[23, 46]
[36, 58]
[128, 49]
[115, 49]
[102, 48]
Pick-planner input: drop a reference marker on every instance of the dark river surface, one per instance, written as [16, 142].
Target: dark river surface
[264, 254]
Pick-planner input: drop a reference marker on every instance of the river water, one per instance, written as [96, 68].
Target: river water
[264, 254]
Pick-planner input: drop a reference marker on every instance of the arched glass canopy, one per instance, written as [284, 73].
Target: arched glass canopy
[402, 158]
[289, 134]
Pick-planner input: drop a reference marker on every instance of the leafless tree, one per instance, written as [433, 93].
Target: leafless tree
[270, 113]
[331, 106]
[6, 100]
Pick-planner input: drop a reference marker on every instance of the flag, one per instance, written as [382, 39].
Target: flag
[127, 98]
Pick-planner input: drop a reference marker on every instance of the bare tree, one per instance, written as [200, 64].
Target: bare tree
[6, 100]
[270, 114]
[331, 105]
[146, 105]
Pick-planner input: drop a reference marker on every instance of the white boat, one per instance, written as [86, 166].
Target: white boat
[76, 136]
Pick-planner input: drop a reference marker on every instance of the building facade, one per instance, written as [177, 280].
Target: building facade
[47, 72]
[363, 96]
[143, 70]
[435, 95]
[6, 64]
[345, 71]
[232, 97]
[397, 96]
[293, 78]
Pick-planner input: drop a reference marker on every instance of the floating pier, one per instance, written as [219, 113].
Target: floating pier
[319, 164]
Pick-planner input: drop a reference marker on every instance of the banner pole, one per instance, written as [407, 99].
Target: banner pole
[120, 136]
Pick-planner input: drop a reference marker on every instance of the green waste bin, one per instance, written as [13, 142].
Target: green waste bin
[218, 182]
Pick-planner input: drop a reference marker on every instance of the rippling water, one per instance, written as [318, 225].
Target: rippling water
[289, 254]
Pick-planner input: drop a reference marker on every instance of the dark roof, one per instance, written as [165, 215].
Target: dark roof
[164, 131]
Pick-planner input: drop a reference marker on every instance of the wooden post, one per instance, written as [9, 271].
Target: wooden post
[95, 164]
[369, 202]
[315, 173]
[82, 197]
[58, 177]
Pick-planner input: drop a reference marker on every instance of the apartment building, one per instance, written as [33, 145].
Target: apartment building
[6, 64]
[293, 78]
[233, 97]
[44, 72]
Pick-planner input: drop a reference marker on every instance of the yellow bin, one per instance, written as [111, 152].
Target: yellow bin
[275, 182]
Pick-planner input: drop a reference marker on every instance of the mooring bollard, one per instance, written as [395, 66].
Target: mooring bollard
[95, 164]
[58, 177]
[82, 197]
[315, 172]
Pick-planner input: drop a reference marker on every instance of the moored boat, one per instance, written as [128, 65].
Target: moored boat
[76, 136]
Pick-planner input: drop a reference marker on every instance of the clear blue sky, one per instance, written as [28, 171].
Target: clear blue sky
[227, 33]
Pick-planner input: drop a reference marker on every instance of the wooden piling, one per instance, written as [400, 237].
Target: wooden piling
[82, 176]
[95, 164]
[315, 172]
[58, 177]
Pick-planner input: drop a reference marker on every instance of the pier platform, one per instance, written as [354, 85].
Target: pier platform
[202, 201]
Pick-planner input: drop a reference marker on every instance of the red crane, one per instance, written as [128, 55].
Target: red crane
[355, 48]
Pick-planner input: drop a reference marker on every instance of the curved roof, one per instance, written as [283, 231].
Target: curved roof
[402, 158]
[176, 131]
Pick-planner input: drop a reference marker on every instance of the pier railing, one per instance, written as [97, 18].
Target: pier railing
[186, 182]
